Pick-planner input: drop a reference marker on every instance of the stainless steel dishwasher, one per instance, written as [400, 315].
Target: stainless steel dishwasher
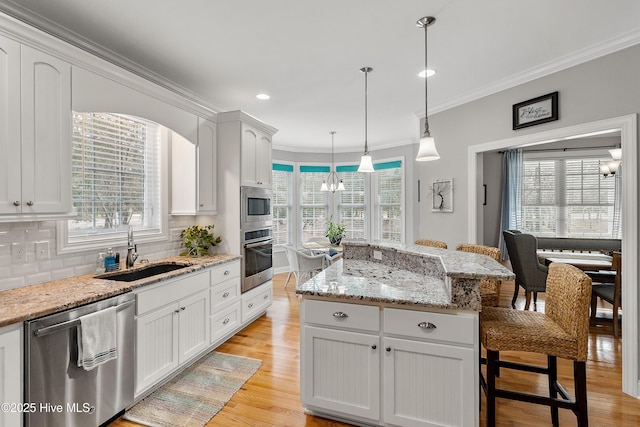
[59, 393]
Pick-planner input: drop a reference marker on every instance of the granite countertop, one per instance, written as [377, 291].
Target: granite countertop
[31, 302]
[374, 282]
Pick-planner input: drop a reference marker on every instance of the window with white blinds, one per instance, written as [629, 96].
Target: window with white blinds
[389, 201]
[569, 197]
[314, 205]
[116, 176]
[351, 202]
[280, 203]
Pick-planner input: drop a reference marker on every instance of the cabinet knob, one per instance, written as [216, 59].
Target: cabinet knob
[226, 294]
[176, 311]
[426, 325]
[29, 203]
[373, 347]
[250, 305]
[388, 349]
[183, 308]
[16, 203]
[226, 272]
[340, 314]
[225, 321]
[201, 205]
[265, 296]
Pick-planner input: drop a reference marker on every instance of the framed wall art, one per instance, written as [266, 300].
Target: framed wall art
[535, 111]
[442, 195]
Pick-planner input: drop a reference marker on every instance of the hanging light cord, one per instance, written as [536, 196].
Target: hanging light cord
[426, 92]
[365, 70]
[332, 163]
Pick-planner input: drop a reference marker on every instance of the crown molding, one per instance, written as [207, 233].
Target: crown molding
[596, 51]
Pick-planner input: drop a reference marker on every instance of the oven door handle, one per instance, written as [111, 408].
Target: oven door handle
[253, 245]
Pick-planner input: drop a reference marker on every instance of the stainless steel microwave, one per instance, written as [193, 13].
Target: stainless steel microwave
[255, 208]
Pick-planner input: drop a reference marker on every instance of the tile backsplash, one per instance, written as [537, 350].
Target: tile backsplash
[22, 265]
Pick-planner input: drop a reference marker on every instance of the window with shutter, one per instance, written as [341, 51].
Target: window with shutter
[314, 205]
[351, 202]
[389, 201]
[280, 203]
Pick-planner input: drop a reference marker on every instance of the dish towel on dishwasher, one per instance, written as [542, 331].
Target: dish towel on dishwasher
[97, 338]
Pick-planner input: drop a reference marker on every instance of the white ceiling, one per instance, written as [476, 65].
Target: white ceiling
[307, 54]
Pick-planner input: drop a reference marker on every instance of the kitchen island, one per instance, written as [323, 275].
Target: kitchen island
[389, 336]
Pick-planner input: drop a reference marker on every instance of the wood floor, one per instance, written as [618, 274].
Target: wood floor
[272, 397]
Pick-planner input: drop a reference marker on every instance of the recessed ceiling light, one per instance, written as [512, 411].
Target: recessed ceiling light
[263, 96]
[429, 73]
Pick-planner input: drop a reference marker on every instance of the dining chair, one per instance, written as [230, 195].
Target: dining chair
[432, 243]
[561, 331]
[530, 273]
[489, 289]
[610, 292]
[303, 266]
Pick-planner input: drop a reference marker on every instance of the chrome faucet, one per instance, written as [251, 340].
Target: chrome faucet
[132, 249]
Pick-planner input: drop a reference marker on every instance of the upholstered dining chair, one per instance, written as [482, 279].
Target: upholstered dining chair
[530, 273]
[610, 292]
[432, 243]
[489, 289]
[562, 331]
[303, 266]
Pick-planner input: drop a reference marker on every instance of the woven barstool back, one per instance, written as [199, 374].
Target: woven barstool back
[432, 243]
[489, 289]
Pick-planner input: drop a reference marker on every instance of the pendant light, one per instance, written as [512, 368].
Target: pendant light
[427, 150]
[365, 161]
[333, 183]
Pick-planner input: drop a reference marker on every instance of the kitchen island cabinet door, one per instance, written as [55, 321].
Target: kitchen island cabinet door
[428, 384]
[10, 374]
[341, 372]
[156, 345]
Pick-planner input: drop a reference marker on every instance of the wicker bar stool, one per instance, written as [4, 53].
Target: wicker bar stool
[433, 243]
[489, 289]
[562, 331]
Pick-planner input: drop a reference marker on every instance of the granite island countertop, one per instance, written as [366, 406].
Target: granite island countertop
[406, 275]
[31, 302]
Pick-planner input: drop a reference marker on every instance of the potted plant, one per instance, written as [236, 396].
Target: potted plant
[335, 232]
[198, 239]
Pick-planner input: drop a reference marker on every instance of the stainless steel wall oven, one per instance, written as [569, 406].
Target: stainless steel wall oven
[257, 257]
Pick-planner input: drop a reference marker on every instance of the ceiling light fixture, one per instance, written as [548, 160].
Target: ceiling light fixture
[428, 73]
[333, 183]
[263, 96]
[427, 150]
[366, 165]
[611, 166]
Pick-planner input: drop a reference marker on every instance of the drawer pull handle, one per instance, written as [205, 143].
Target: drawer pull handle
[250, 305]
[426, 325]
[201, 205]
[176, 311]
[373, 347]
[340, 314]
[226, 294]
[225, 321]
[226, 272]
[265, 296]
[16, 203]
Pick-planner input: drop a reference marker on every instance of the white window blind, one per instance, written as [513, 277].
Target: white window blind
[351, 202]
[314, 207]
[116, 175]
[568, 197]
[389, 193]
[280, 203]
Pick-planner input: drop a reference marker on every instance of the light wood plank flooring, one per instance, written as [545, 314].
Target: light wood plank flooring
[272, 398]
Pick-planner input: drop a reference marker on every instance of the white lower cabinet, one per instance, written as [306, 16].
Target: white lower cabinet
[172, 326]
[11, 374]
[389, 367]
[256, 301]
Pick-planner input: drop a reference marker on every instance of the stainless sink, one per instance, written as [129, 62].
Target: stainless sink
[141, 273]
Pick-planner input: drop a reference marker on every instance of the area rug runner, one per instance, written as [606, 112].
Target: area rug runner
[197, 394]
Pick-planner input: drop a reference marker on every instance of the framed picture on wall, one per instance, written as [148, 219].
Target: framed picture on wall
[442, 195]
[535, 111]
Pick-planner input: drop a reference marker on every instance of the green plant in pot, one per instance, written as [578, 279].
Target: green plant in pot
[198, 239]
[335, 232]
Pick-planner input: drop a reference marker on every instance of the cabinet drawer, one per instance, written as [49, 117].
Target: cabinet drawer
[225, 321]
[255, 302]
[224, 293]
[456, 328]
[224, 272]
[171, 291]
[342, 315]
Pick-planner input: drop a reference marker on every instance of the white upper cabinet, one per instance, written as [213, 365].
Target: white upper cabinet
[256, 157]
[35, 141]
[207, 156]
